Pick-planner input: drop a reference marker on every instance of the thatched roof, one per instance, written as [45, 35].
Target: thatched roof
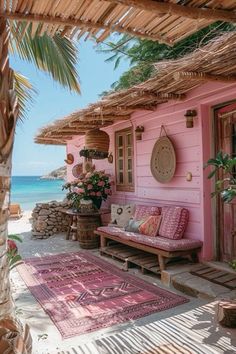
[166, 21]
[214, 62]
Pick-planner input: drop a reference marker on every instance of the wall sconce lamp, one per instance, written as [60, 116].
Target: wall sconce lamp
[138, 132]
[190, 113]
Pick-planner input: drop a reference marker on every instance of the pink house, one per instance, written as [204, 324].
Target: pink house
[212, 94]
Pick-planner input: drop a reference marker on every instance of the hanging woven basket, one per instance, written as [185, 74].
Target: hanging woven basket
[96, 144]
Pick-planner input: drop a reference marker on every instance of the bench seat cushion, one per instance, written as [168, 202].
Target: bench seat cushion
[155, 242]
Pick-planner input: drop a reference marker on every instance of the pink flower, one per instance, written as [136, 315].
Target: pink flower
[110, 192]
[11, 246]
[92, 193]
[101, 183]
[107, 191]
[89, 174]
[78, 190]
[98, 194]
[90, 186]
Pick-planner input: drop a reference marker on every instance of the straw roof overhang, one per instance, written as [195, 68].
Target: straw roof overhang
[214, 62]
[168, 21]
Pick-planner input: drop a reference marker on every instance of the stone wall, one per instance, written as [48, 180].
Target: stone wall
[48, 219]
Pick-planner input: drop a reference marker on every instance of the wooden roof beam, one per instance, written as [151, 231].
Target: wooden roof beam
[158, 96]
[103, 118]
[87, 25]
[145, 107]
[52, 141]
[192, 75]
[159, 7]
[64, 133]
[81, 124]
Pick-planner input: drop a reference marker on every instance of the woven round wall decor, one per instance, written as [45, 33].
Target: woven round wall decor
[163, 160]
[77, 170]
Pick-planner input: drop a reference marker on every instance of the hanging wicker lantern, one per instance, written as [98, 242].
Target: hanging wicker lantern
[96, 144]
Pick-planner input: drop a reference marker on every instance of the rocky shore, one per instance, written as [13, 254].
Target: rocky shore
[59, 173]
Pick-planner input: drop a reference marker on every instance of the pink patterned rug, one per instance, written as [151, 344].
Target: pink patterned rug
[83, 293]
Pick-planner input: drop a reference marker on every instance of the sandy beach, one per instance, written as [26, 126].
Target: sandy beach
[47, 339]
[22, 225]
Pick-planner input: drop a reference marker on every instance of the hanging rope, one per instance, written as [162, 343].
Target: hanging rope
[162, 130]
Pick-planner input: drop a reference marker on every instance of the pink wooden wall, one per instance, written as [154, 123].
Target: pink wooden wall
[193, 147]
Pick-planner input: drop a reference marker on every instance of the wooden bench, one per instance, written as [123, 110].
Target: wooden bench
[162, 247]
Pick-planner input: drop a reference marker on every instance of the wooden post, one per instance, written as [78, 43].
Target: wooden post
[103, 241]
[161, 261]
[13, 337]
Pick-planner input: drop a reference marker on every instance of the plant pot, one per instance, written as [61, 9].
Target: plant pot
[97, 202]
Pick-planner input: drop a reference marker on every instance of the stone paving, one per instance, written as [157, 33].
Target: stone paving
[47, 340]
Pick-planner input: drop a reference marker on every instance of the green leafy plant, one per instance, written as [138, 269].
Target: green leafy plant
[225, 173]
[233, 264]
[54, 55]
[12, 251]
[142, 53]
[224, 169]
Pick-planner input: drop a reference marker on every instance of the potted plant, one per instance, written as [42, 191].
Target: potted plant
[92, 186]
[225, 168]
[225, 185]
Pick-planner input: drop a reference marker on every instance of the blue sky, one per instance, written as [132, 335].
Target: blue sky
[52, 102]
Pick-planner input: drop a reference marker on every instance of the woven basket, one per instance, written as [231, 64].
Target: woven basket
[163, 160]
[97, 140]
[77, 170]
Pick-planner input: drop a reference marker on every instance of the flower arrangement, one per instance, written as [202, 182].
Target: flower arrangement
[95, 186]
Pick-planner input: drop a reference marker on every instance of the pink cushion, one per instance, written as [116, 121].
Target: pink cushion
[150, 226]
[174, 222]
[155, 242]
[144, 211]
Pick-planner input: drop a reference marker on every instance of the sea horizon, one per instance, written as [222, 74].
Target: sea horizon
[29, 190]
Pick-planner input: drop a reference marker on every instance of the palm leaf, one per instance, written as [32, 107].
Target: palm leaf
[211, 174]
[55, 55]
[24, 92]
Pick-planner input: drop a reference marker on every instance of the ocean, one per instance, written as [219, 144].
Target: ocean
[29, 190]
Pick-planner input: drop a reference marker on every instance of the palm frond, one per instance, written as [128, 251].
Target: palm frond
[24, 92]
[55, 55]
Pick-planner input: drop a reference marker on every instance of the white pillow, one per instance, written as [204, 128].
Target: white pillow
[121, 214]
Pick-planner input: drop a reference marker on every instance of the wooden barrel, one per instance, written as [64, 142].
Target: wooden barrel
[86, 226]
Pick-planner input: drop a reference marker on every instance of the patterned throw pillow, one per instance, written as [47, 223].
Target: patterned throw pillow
[144, 211]
[121, 214]
[151, 226]
[174, 222]
[133, 225]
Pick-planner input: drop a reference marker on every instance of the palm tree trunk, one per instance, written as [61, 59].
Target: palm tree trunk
[13, 337]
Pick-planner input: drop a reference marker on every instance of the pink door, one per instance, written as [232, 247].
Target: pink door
[226, 212]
